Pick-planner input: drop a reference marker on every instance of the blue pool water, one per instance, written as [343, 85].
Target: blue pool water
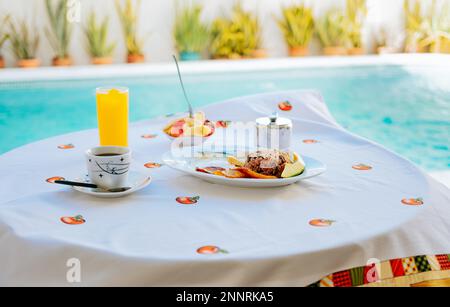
[405, 109]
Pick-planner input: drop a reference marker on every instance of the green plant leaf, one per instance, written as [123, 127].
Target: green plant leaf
[23, 44]
[129, 20]
[96, 34]
[59, 32]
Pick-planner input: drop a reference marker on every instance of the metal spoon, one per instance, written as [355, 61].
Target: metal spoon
[191, 110]
[92, 186]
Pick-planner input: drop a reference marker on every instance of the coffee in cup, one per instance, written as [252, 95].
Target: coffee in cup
[108, 166]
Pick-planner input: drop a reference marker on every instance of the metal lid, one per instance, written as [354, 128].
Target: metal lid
[274, 122]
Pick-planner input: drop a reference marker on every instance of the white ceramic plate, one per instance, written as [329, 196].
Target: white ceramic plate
[189, 165]
[137, 181]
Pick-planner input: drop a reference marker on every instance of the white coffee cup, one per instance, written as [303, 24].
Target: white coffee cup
[108, 166]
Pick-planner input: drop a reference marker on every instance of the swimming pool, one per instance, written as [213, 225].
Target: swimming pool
[404, 107]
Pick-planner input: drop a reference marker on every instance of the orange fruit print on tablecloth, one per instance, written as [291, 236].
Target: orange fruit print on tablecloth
[285, 106]
[152, 165]
[149, 136]
[413, 201]
[211, 250]
[75, 220]
[184, 200]
[310, 141]
[53, 179]
[362, 167]
[321, 223]
[66, 146]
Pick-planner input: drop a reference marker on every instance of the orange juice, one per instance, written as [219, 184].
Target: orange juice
[112, 114]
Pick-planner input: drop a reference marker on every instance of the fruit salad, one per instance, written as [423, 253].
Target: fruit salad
[196, 126]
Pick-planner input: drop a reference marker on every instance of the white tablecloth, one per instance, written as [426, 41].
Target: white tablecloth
[150, 239]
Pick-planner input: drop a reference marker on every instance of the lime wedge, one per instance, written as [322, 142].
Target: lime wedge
[293, 169]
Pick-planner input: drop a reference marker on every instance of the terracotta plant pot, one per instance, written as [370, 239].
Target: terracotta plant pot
[190, 56]
[259, 54]
[235, 56]
[2, 62]
[416, 49]
[102, 61]
[334, 51]
[298, 51]
[135, 58]
[218, 57]
[442, 45]
[355, 51]
[62, 61]
[385, 50]
[28, 63]
[445, 46]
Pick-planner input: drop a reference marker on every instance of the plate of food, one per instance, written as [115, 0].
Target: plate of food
[250, 169]
[190, 131]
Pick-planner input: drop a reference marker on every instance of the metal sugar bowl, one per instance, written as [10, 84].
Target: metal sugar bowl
[273, 132]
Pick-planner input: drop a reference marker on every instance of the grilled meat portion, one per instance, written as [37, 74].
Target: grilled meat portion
[268, 162]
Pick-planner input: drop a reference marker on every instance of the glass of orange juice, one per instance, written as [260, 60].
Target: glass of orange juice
[112, 114]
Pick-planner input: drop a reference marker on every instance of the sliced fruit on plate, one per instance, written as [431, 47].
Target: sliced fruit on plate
[219, 173]
[209, 169]
[296, 157]
[235, 161]
[251, 174]
[199, 117]
[197, 130]
[293, 169]
[233, 173]
[197, 126]
[176, 129]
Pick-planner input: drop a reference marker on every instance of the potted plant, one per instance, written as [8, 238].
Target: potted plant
[238, 37]
[129, 20]
[248, 25]
[436, 30]
[356, 12]
[413, 26]
[3, 38]
[24, 45]
[381, 42]
[332, 34]
[225, 44]
[60, 31]
[98, 46]
[252, 31]
[297, 26]
[191, 35]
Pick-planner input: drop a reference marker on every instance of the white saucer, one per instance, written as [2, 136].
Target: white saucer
[137, 181]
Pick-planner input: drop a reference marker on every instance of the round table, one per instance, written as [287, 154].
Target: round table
[369, 204]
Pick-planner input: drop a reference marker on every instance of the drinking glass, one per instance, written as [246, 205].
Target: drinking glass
[112, 114]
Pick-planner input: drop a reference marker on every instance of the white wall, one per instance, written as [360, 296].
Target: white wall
[157, 19]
